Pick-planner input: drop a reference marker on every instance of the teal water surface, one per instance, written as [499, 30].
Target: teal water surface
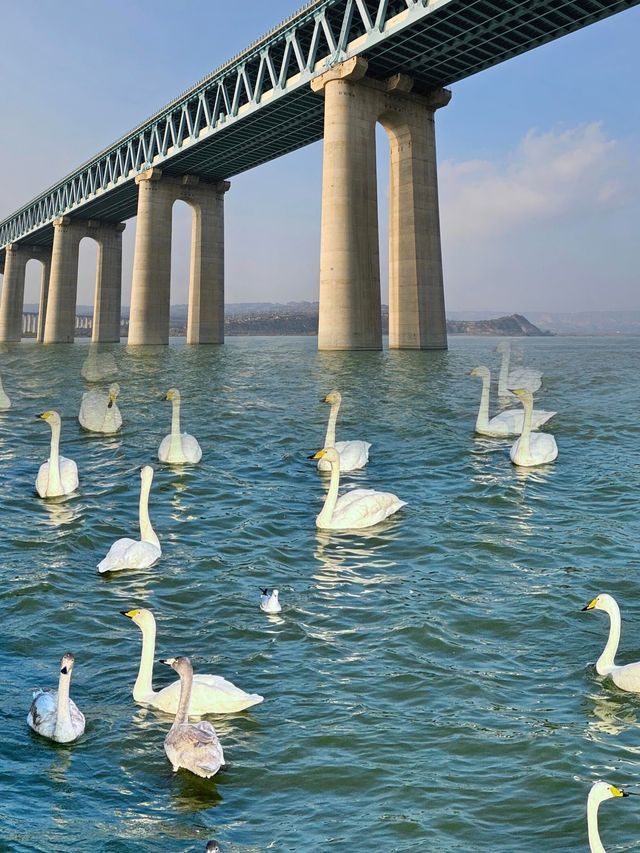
[429, 685]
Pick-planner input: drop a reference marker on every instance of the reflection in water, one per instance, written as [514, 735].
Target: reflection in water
[99, 365]
[613, 714]
[63, 510]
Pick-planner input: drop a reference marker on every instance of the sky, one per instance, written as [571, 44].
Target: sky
[538, 158]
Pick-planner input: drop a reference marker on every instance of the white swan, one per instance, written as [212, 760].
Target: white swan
[600, 791]
[178, 448]
[5, 402]
[211, 694]
[521, 377]
[532, 448]
[134, 553]
[356, 508]
[194, 746]
[58, 475]
[53, 714]
[509, 422]
[99, 412]
[625, 677]
[353, 454]
[269, 601]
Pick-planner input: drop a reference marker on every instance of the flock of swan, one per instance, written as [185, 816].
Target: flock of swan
[194, 745]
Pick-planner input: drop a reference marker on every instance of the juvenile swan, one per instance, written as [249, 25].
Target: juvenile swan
[99, 412]
[178, 448]
[358, 507]
[58, 475]
[509, 422]
[269, 601]
[194, 746]
[625, 677]
[535, 448]
[353, 454]
[521, 377]
[600, 791]
[132, 553]
[210, 694]
[53, 714]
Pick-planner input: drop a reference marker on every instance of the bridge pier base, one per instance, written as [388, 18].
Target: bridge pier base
[108, 296]
[349, 255]
[11, 302]
[150, 291]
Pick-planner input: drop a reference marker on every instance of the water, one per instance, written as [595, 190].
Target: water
[430, 685]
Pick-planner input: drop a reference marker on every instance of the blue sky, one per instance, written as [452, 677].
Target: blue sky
[538, 158]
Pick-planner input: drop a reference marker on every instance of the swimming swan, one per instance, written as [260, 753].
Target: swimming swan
[353, 454]
[356, 508]
[269, 601]
[99, 412]
[178, 448]
[211, 694]
[53, 714]
[194, 746]
[509, 422]
[625, 677]
[58, 475]
[535, 448]
[133, 553]
[521, 377]
[5, 402]
[600, 791]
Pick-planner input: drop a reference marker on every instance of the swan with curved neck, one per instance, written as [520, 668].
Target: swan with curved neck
[532, 448]
[353, 454]
[58, 475]
[5, 402]
[625, 677]
[53, 714]
[136, 553]
[357, 508]
[178, 448]
[600, 791]
[99, 412]
[521, 377]
[193, 746]
[509, 422]
[210, 694]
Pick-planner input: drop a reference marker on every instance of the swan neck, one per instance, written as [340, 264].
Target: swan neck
[595, 842]
[606, 661]
[503, 391]
[482, 421]
[147, 533]
[525, 437]
[63, 711]
[332, 495]
[109, 418]
[175, 445]
[55, 482]
[330, 437]
[186, 683]
[143, 688]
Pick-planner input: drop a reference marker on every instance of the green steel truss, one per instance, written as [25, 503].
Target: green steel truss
[259, 105]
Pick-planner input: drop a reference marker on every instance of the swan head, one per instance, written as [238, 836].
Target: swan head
[172, 394]
[142, 617]
[51, 417]
[66, 664]
[332, 397]
[182, 665]
[601, 791]
[602, 602]
[482, 371]
[328, 453]
[212, 846]
[114, 390]
[146, 473]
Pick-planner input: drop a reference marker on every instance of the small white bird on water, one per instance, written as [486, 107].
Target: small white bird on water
[508, 422]
[625, 677]
[99, 412]
[353, 454]
[532, 448]
[193, 746]
[53, 714]
[600, 791]
[58, 475]
[178, 448]
[269, 601]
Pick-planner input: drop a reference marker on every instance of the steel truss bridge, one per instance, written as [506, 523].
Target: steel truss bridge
[259, 105]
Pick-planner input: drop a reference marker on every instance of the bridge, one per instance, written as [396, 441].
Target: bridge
[334, 69]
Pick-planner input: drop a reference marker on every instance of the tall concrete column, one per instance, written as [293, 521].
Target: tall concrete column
[150, 290]
[44, 296]
[350, 311]
[108, 296]
[12, 293]
[60, 319]
[205, 323]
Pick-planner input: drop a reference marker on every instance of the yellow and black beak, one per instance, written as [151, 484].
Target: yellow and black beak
[130, 613]
[590, 606]
[618, 792]
[317, 455]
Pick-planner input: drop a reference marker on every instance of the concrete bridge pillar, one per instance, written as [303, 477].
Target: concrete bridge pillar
[44, 296]
[349, 258]
[108, 296]
[11, 301]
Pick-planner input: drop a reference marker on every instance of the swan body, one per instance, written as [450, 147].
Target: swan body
[625, 677]
[58, 475]
[53, 714]
[521, 377]
[600, 791]
[210, 694]
[535, 448]
[353, 454]
[357, 508]
[509, 422]
[178, 448]
[269, 601]
[5, 402]
[193, 746]
[99, 412]
[134, 553]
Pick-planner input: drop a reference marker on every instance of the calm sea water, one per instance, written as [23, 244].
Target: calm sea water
[430, 683]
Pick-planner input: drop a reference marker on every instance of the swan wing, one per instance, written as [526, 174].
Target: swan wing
[163, 450]
[211, 694]
[77, 718]
[43, 711]
[511, 421]
[627, 677]
[190, 448]
[129, 554]
[42, 480]
[194, 746]
[542, 449]
[353, 454]
[364, 508]
[68, 475]
[93, 409]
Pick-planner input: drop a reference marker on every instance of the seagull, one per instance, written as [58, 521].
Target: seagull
[269, 601]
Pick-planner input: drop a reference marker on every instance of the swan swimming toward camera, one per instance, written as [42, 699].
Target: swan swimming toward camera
[136, 553]
[178, 448]
[532, 448]
[509, 422]
[353, 454]
[210, 694]
[600, 791]
[58, 475]
[355, 509]
[99, 412]
[53, 714]
[521, 377]
[625, 677]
